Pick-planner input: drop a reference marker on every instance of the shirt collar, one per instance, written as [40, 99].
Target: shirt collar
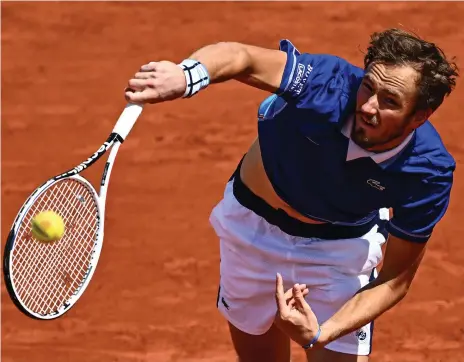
[354, 151]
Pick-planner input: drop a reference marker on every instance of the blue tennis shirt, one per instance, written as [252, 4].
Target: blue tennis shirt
[304, 133]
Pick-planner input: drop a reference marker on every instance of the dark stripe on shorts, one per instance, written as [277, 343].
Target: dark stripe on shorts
[218, 293]
[371, 278]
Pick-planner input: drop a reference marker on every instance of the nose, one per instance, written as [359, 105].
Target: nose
[371, 105]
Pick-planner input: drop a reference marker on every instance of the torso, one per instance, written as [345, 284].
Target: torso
[302, 157]
[254, 177]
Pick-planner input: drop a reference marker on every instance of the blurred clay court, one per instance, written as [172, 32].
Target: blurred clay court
[152, 298]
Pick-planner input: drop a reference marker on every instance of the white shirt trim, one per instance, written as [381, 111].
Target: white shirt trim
[354, 151]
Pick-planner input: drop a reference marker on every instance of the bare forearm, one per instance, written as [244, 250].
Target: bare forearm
[364, 307]
[298, 321]
[224, 61]
[258, 67]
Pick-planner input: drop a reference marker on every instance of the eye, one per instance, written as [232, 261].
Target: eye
[391, 101]
[367, 86]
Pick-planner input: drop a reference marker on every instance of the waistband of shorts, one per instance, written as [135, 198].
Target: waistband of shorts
[290, 225]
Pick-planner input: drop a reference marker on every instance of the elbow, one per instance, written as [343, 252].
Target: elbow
[403, 291]
[399, 290]
[399, 285]
[239, 53]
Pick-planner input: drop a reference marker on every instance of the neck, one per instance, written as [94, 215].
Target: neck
[393, 143]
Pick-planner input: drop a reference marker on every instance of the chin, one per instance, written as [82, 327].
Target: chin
[363, 135]
[362, 138]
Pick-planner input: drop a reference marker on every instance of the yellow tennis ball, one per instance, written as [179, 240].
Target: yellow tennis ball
[47, 226]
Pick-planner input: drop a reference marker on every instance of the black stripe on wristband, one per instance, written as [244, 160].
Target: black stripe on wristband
[194, 70]
[190, 82]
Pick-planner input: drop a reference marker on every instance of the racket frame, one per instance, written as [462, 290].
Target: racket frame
[120, 131]
[9, 248]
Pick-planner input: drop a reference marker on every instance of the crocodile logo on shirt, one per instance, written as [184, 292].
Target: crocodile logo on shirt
[375, 184]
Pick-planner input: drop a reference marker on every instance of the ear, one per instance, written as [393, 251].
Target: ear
[421, 116]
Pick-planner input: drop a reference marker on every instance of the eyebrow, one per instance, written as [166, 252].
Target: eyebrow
[390, 91]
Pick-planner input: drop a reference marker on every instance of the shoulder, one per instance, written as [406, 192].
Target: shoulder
[428, 154]
[429, 148]
[330, 61]
[427, 170]
[316, 69]
[323, 85]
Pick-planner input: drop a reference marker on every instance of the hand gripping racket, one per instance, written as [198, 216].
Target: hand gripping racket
[45, 280]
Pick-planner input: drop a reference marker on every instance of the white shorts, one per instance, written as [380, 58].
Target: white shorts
[252, 251]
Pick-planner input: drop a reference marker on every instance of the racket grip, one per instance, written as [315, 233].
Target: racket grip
[127, 119]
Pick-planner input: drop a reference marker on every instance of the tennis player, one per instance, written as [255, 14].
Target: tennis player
[337, 147]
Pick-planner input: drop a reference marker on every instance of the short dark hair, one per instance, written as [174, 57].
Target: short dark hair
[399, 47]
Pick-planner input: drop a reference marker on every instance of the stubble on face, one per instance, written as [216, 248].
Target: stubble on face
[385, 107]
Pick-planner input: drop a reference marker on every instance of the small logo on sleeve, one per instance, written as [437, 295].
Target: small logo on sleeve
[301, 77]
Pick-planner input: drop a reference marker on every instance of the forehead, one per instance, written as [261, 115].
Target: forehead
[397, 79]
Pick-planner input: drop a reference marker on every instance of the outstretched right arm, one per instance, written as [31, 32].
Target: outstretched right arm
[258, 67]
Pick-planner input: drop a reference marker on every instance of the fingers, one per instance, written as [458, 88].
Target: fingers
[140, 97]
[280, 295]
[156, 82]
[150, 67]
[300, 302]
[145, 75]
[147, 71]
[291, 300]
[139, 90]
[289, 293]
[139, 84]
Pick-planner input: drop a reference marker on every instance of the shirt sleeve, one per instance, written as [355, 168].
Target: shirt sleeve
[319, 82]
[415, 219]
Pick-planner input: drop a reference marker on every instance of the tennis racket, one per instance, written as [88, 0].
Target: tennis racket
[45, 280]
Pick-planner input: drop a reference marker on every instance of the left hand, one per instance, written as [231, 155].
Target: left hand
[294, 315]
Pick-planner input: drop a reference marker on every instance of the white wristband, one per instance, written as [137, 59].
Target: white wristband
[196, 76]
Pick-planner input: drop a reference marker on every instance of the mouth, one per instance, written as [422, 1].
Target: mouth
[371, 122]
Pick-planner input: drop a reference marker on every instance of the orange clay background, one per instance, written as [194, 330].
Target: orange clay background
[152, 298]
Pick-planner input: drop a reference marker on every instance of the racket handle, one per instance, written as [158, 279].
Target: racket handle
[127, 119]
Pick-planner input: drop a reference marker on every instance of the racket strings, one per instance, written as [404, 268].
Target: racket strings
[53, 264]
[47, 275]
[64, 252]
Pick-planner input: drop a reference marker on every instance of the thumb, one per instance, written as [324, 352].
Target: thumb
[300, 302]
